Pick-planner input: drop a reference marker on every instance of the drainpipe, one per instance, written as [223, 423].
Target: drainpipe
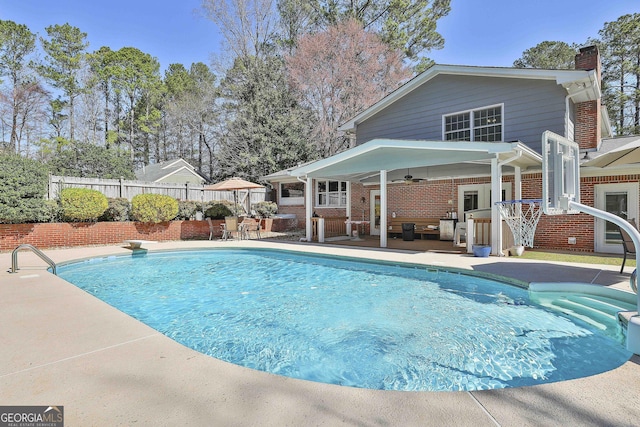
[566, 112]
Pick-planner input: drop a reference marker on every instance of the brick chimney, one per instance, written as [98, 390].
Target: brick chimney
[587, 121]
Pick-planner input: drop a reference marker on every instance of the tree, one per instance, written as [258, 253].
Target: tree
[23, 186]
[550, 55]
[620, 49]
[87, 160]
[338, 73]
[266, 129]
[27, 106]
[408, 25]
[16, 44]
[134, 75]
[297, 17]
[65, 53]
[101, 66]
[247, 26]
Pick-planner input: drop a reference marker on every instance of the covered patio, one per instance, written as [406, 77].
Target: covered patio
[381, 161]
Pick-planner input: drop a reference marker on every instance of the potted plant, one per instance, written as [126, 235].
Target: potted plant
[266, 211]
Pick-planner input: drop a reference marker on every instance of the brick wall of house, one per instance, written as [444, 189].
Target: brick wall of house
[430, 200]
[587, 120]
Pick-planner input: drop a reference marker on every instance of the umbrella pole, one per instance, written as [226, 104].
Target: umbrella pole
[235, 201]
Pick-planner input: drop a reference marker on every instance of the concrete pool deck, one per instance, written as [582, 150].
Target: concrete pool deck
[61, 346]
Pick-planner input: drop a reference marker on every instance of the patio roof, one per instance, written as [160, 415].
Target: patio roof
[447, 158]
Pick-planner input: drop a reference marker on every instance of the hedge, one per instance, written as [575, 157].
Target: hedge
[153, 208]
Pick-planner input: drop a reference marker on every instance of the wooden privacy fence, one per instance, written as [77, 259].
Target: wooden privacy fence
[114, 188]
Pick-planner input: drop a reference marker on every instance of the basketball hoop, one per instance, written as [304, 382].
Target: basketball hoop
[522, 216]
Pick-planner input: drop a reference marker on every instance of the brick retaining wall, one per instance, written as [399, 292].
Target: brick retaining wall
[51, 235]
[62, 234]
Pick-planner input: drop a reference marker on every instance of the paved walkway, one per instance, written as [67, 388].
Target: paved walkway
[61, 346]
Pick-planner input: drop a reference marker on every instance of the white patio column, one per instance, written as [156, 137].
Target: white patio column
[308, 207]
[517, 182]
[496, 196]
[348, 210]
[383, 209]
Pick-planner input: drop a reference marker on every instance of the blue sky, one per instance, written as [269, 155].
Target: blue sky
[476, 32]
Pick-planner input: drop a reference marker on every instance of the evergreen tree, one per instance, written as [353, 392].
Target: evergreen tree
[549, 55]
[266, 129]
[620, 49]
[65, 52]
[87, 160]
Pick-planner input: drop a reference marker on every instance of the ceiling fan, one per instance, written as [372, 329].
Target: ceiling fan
[408, 179]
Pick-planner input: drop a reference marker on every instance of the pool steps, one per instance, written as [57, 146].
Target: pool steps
[599, 306]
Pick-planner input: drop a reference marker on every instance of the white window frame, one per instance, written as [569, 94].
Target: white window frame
[472, 128]
[601, 245]
[289, 201]
[340, 196]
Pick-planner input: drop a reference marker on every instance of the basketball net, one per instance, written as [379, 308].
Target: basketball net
[522, 217]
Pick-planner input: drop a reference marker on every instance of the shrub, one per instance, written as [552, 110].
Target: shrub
[119, 210]
[186, 209]
[265, 209]
[52, 211]
[23, 187]
[82, 204]
[153, 208]
[218, 211]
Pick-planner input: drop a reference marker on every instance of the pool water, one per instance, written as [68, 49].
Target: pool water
[347, 322]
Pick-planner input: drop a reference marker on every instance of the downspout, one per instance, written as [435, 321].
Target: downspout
[566, 112]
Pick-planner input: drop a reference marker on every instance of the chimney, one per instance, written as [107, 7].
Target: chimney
[587, 121]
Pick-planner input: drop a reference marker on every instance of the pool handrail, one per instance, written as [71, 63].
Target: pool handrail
[14, 257]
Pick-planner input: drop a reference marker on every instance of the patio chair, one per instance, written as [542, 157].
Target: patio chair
[229, 227]
[627, 244]
[251, 225]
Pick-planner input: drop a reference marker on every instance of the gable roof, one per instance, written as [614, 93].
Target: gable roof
[580, 84]
[159, 171]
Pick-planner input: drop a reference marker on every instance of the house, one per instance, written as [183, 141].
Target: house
[177, 171]
[459, 138]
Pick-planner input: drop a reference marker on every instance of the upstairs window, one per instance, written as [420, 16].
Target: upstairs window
[483, 124]
[331, 193]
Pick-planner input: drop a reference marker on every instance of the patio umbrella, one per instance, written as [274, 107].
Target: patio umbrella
[625, 155]
[233, 184]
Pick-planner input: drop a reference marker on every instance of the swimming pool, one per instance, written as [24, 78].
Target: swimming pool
[348, 322]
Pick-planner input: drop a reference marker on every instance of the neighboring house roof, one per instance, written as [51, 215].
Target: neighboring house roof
[163, 171]
[581, 85]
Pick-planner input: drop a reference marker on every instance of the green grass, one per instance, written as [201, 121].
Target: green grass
[579, 258]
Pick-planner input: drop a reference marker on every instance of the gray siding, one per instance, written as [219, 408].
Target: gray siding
[182, 177]
[530, 108]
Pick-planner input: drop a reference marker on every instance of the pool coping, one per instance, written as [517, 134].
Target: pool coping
[62, 346]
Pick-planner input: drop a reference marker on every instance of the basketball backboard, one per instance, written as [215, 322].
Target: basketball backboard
[560, 174]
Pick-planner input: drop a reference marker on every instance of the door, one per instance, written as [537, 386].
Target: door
[620, 200]
[374, 212]
[478, 196]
